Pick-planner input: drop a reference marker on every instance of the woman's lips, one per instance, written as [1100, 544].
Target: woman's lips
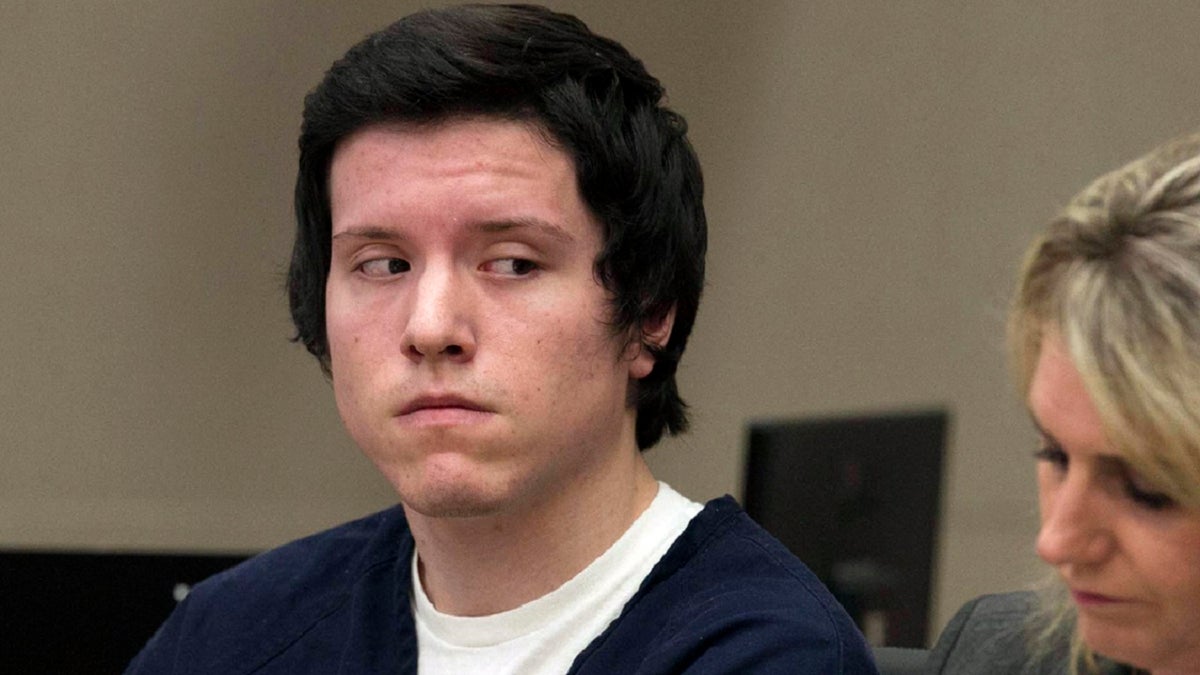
[1090, 599]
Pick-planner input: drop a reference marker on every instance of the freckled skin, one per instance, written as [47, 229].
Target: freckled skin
[1104, 542]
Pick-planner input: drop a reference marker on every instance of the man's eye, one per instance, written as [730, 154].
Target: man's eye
[383, 267]
[517, 267]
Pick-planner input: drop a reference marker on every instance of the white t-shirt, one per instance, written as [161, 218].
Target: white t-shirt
[545, 635]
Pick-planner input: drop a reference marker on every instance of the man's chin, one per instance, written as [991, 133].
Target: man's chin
[453, 501]
[456, 510]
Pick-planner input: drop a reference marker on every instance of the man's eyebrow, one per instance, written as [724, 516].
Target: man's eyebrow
[538, 225]
[368, 232]
[546, 228]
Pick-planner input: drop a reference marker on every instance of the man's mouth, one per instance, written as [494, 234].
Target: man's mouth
[443, 410]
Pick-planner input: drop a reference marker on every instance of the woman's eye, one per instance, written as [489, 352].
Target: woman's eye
[1143, 494]
[383, 267]
[517, 267]
[1053, 455]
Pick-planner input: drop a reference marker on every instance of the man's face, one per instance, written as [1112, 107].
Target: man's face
[472, 355]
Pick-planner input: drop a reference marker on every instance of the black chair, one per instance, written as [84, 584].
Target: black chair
[86, 612]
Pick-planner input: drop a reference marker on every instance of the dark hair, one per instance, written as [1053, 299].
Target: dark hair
[594, 100]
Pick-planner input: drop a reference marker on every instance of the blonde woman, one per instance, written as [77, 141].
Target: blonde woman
[1105, 338]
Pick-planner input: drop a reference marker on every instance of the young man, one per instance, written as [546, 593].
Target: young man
[498, 261]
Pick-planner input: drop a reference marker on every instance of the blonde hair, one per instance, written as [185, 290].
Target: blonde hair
[1117, 276]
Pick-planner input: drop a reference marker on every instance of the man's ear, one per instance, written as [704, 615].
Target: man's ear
[655, 333]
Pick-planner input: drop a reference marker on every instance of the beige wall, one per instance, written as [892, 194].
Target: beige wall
[874, 170]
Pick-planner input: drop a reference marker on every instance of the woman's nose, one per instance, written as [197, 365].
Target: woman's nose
[1075, 524]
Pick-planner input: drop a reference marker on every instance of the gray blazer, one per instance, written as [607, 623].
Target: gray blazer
[989, 636]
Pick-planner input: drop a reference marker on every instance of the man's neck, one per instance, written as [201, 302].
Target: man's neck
[488, 564]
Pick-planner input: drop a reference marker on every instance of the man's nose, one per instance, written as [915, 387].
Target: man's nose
[1075, 524]
[438, 325]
